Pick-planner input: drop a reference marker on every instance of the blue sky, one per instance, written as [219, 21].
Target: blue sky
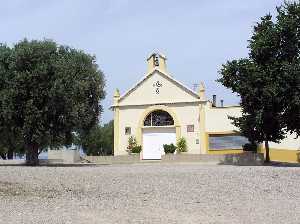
[196, 36]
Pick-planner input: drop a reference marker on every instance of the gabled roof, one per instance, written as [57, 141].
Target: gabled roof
[167, 76]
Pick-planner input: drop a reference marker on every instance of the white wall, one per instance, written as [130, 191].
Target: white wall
[289, 143]
[217, 121]
[216, 118]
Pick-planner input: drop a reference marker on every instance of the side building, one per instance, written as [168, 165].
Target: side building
[159, 110]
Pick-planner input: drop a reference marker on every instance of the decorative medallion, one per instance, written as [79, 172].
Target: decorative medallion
[157, 85]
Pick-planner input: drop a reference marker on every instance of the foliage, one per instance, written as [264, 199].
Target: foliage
[169, 148]
[133, 147]
[48, 92]
[136, 149]
[10, 140]
[181, 145]
[132, 144]
[11, 143]
[99, 141]
[268, 82]
[3, 153]
[252, 147]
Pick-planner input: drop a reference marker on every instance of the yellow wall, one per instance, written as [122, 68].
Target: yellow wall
[183, 114]
[128, 117]
[116, 131]
[283, 155]
[202, 134]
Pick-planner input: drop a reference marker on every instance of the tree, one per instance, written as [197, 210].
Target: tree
[99, 141]
[10, 141]
[268, 82]
[50, 92]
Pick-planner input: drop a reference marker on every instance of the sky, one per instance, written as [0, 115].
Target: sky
[197, 36]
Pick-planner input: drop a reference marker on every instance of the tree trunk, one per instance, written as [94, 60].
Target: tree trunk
[3, 156]
[32, 155]
[267, 152]
[10, 154]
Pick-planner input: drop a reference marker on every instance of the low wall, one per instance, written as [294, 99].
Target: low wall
[70, 156]
[243, 159]
[246, 158]
[182, 157]
[65, 156]
[55, 155]
[113, 159]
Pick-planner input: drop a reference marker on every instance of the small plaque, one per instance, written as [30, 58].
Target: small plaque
[190, 128]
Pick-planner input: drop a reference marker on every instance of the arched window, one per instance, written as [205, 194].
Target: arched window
[159, 118]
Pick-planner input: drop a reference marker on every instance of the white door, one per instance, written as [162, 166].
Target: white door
[154, 139]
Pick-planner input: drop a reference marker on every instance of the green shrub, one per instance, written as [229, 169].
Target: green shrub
[136, 149]
[250, 147]
[131, 143]
[169, 148]
[181, 145]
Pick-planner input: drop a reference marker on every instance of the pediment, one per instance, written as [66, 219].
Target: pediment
[157, 88]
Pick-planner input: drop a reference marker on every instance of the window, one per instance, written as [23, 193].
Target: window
[159, 118]
[127, 130]
[190, 128]
[223, 142]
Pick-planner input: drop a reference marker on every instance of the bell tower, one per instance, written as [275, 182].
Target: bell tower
[157, 61]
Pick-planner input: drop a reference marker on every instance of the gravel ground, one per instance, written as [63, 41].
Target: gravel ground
[150, 193]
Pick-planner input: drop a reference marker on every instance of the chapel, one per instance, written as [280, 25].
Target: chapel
[160, 110]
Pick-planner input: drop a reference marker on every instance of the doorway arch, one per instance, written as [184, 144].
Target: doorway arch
[158, 118]
[163, 118]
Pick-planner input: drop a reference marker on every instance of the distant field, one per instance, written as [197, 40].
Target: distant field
[150, 193]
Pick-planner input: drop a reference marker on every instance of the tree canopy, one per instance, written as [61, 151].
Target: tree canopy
[268, 81]
[99, 141]
[47, 92]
